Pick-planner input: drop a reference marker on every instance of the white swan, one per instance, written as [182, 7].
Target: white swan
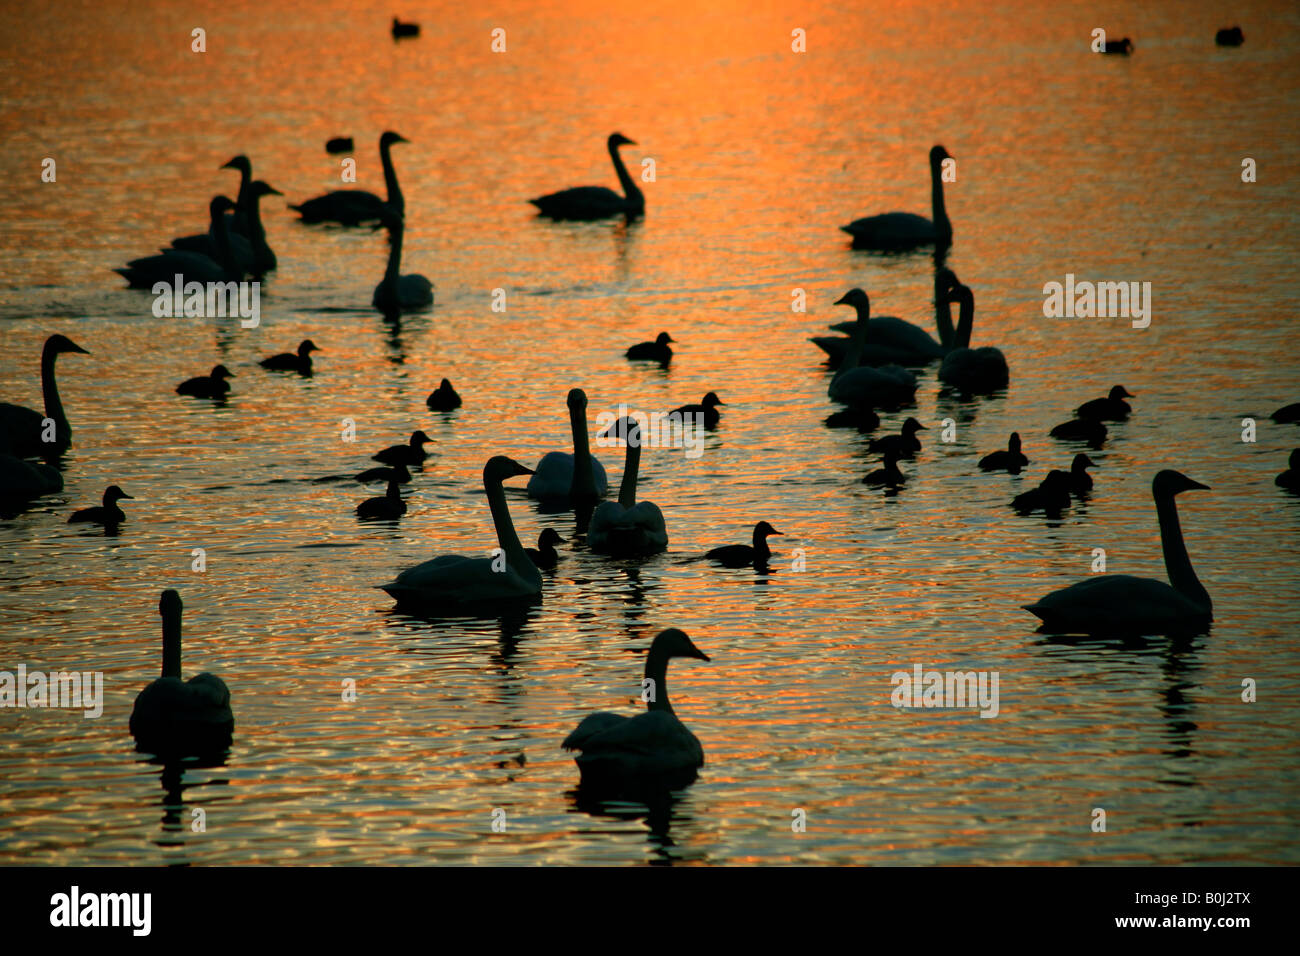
[352, 207]
[22, 429]
[191, 266]
[177, 717]
[860, 385]
[596, 202]
[1123, 604]
[899, 231]
[396, 293]
[978, 371]
[627, 527]
[894, 340]
[655, 745]
[453, 580]
[556, 477]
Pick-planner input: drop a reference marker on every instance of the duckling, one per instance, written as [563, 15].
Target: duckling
[705, 411]
[108, 514]
[741, 555]
[656, 351]
[212, 385]
[1290, 479]
[412, 453]
[544, 555]
[290, 362]
[904, 445]
[887, 475]
[401, 29]
[1231, 36]
[389, 506]
[1010, 460]
[1080, 480]
[397, 473]
[1051, 496]
[1123, 47]
[443, 398]
[1112, 408]
[1087, 430]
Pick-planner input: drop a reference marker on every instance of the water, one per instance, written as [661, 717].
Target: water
[1109, 168]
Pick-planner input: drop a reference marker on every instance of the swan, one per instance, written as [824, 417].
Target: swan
[904, 445]
[888, 474]
[1287, 414]
[893, 340]
[22, 480]
[398, 473]
[388, 506]
[299, 361]
[544, 555]
[556, 477]
[401, 29]
[1112, 408]
[859, 385]
[656, 351]
[1086, 430]
[1052, 496]
[249, 249]
[1010, 460]
[740, 555]
[452, 579]
[706, 410]
[978, 371]
[1231, 36]
[22, 428]
[900, 231]
[145, 273]
[615, 749]
[444, 398]
[1289, 479]
[596, 202]
[1123, 604]
[412, 453]
[108, 514]
[212, 385]
[177, 717]
[351, 207]
[236, 221]
[396, 293]
[1080, 480]
[1123, 47]
[627, 527]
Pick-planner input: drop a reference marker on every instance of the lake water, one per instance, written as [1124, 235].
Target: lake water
[1109, 168]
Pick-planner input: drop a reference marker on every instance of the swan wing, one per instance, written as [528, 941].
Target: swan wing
[456, 579]
[891, 230]
[553, 476]
[592, 726]
[639, 529]
[1117, 603]
[20, 479]
[653, 742]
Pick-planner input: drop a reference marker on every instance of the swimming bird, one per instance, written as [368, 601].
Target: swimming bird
[412, 453]
[652, 747]
[1123, 47]
[1231, 36]
[212, 385]
[145, 273]
[23, 430]
[249, 249]
[352, 207]
[1287, 414]
[741, 555]
[1107, 604]
[656, 351]
[859, 385]
[556, 476]
[339, 144]
[389, 505]
[397, 293]
[1086, 430]
[976, 371]
[444, 398]
[904, 445]
[1080, 480]
[1010, 460]
[863, 419]
[455, 581]
[1289, 479]
[900, 231]
[706, 410]
[22, 480]
[888, 474]
[1052, 496]
[891, 340]
[1112, 408]
[627, 527]
[596, 202]
[398, 473]
[299, 362]
[181, 718]
[401, 29]
[544, 555]
[107, 514]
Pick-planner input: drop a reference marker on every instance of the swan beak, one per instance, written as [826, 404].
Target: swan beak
[923, 428]
[1197, 484]
[842, 300]
[77, 348]
[132, 497]
[272, 191]
[774, 531]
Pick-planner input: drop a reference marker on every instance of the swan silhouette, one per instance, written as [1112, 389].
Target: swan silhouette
[903, 445]
[145, 273]
[1010, 460]
[249, 248]
[596, 202]
[656, 351]
[616, 750]
[1289, 479]
[859, 385]
[894, 340]
[397, 293]
[741, 555]
[1112, 408]
[627, 527]
[557, 477]
[352, 207]
[444, 398]
[176, 717]
[299, 361]
[1114, 604]
[388, 506]
[901, 231]
[21, 480]
[976, 371]
[1287, 414]
[544, 555]
[212, 385]
[108, 514]
[453, 580]
[23, 429]
[412, 453]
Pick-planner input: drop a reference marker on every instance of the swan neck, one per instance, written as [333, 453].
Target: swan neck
[1178, 565]
[940, 214]
[943, 317]
[390, 177]
[582, 484]
[222, 235]
[50, 393]
[656, 669]
[394, 256]
[966, 323]
[857, 342]
[631, 466]
[171, 662]
[507, 537]
[630, 190]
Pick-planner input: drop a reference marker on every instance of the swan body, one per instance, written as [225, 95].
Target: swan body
[627, 527]
[412, 453]
[1010, 460]
[1287, 414]
[1112, 408]
[545, 556]
[653, 746]
[212, 385]
[352, 207]
[299, 361]
[22, 428]
[596, 202]
[903, 445]
[453, 580]
[249, 249]
[176, 717]
[388, 506]
[444, 398]
[901, 231]
[859, 385]
[556, 476]
[977, 371]
[397, 293]
[1052, 496]
[894, 340]
[145, 273]
[108, 514]
[1123, 604]
[656, 351]
[706, 410]
[22, 480]
[741, 555]
[1289, 479]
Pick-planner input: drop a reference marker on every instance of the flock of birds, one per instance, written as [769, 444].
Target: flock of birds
[874, 361]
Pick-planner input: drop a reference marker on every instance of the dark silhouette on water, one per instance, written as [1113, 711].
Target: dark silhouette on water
[401, 29]
[627, 527]
[398, 473]
[107, 514]
[901, 231]
[1287, 414]
[596, 202]
[741, 555]
[1089, 431]
[544, 555]
[352, 207]
[22, 429]
[412, 453]
[903, 445]
[706, 410]
[396, 293]
[1290, 479]
[387, 506]
[1112, 408]
[444, 398]
[144, 273]
[212, 385]
[888, 474]
[1080, 480]
[858, 384]
[1052, 496]
[1122, 47]
[339, 144]
[891, 340]
[1230, 36]
[561, 476]
[250, 251]
[1011, 460]
[299, 361]
[977, 371]
[656, 351]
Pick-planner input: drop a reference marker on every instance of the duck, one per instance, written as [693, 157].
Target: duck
[212, 385]
[615, 750]
[1122, 47]
[544, 555]
[388, 506]
[399, 293]
[596, 202]
[888, 474]
[1112, 408]
[249, 248]
[1287, 414]
[339, 145]
[556, 477]
[398, 473]
[901, 231]
[412, 453]
[163, 268]
[299, 362]
[401, 29]
[22, 480]
[1052, 496]
[904, 445]
[858, 385]
[107, 514]
[863, 419]
[742, 555]
[706, 410]
[1086, 430]
[453, 580]
[352, 207]
[1289, 479]
[1114, 604]
[1080, 480]
[181, 718]
[891, 340]
[656, 351]
[627, 527]
[976, 371]
[1230, 36]
[23, 429]
[444, 398]
[1010, 460]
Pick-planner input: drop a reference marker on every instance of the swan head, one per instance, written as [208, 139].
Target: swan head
[618, 139]
[711, 400]
[1168, 483]
[549, 537]
[260, 187]
[389, 138]
[938, 154]
[663, 338]
[765, 530]
[220, 205]
[241, 163]
[1119, 391]
[675, 643]
[306, 347]
[418, 438]
[169, 605]
[960, 293]
[945, 279]
[627, 429]
[221, 372]
[500, 468]
[912, 426]
[113, 493]
[1082, 461]
[57, 344]
[577, 400]
[445, 385]
[858, 299]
